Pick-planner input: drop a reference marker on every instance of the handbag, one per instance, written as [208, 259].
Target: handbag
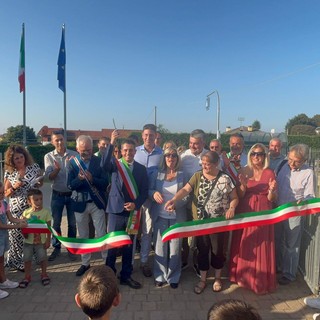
[79, 201]
[206, 214]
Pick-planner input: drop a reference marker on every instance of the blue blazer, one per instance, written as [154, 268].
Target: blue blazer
[99, 176]
[156, 184]
[119, 195]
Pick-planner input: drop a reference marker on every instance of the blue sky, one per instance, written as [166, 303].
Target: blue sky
[125, 57]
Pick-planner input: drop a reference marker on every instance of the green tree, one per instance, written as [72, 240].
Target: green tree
[15, 135]
[162, 129]
[256, 125]
[316, 119]
[303, 129]
[299, 120]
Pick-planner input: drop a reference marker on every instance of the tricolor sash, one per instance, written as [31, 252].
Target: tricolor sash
[81, 246]
[94, 192]
[242, 220]
[132, 188]
[231, 169]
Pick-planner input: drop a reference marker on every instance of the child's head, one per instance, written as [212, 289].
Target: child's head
[231, 309]
[1, 191]
[98, 291]
[35, 199]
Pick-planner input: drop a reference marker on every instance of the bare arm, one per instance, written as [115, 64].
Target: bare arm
[234, 200]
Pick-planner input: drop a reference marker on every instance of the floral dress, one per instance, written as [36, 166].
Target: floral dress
[18, 203]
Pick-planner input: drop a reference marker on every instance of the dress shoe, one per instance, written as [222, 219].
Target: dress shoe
[158, 284]
[146, 271]
[55, 253]
[174, 285]
[81, 271]
[284, 281]
[131, 283]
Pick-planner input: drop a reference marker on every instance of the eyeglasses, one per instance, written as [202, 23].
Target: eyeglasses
[171, 155]
[258, 154]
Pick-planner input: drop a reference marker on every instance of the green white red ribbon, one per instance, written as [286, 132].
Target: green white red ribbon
[81, 246]
[132, 188]
[242, 220]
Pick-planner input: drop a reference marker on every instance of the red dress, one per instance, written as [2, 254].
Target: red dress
[252, 254]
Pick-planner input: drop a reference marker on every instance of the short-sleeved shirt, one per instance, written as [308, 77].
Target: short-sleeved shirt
[219, 199]
[191, 163]
[60, 182]
[43, 215]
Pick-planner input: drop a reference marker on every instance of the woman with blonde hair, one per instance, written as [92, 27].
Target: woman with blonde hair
[252, 257]
[163, 186]
[19, 177]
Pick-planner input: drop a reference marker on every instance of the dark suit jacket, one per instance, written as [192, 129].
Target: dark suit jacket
[119, 195]
[99, 176]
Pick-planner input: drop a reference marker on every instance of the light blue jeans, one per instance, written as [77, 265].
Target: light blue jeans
[167, 260]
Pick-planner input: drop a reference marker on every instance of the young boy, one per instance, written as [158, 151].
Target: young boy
[36, 242]
[98, 292]
[230, 309]
[5, 215]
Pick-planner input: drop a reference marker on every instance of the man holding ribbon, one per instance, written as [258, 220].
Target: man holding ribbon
[129, 190]
[296, 182]
[88, 181]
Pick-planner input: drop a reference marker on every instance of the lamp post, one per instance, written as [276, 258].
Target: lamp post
[218, 109]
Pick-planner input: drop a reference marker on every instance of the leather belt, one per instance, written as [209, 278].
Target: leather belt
[62, 194]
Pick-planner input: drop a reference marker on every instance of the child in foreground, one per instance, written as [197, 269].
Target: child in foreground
[231, 309]
[98, 292]
[36, 242]
[5, 215]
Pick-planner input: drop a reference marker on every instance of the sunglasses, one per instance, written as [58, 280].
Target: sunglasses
[171, 155]
[258, 154]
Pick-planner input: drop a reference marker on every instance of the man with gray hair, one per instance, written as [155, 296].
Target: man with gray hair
[190, 164]
[88, 181]
[296, 181]
[276, 157]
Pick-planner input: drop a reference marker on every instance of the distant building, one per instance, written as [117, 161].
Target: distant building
[252, 136]
[45, 134]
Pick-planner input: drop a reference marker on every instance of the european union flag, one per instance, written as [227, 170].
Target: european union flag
[62, 64]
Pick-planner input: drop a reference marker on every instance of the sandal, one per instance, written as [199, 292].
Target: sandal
[217, 285]
[45, 280]
[200, 286]
[24, 283]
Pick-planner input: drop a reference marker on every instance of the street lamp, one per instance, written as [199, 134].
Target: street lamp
[218, 109]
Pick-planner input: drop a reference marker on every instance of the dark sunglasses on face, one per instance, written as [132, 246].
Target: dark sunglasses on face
[170, 155]
[258, 154]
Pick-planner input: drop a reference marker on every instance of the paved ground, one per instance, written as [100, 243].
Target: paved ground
[57, 300]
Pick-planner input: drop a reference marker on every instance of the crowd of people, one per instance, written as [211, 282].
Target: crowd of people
[160, 184]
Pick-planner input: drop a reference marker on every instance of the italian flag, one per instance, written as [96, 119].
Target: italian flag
[21, 76]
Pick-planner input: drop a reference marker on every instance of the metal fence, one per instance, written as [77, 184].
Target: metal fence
[309, 263]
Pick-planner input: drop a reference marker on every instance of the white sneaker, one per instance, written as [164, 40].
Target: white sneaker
[316, 316]
[3, 294]
[9, 284]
